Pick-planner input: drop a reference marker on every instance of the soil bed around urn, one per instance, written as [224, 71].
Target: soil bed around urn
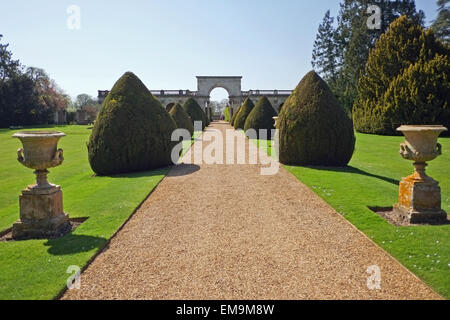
[387, 213]
[6, 235]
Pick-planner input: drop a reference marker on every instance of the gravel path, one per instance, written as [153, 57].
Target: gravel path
[227, 232]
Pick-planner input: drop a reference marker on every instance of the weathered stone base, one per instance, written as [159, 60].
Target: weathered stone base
[420, 217]
[420, 201]
[41, 229]
[41, 214]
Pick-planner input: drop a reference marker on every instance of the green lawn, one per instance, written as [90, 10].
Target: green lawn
[372, 180]
[36, 269]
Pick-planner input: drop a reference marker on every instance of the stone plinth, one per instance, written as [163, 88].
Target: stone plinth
[420, 201]
[41, 214]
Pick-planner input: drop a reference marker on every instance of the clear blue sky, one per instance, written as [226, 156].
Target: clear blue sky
[168, 42]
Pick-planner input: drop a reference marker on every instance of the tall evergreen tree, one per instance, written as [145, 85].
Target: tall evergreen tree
[353, 40]
[8, 67]
[405, 81]
[441, 26]
[324, 56]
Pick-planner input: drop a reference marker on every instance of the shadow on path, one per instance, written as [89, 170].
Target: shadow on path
[183, 170]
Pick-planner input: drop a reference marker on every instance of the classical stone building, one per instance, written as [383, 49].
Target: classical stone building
[60, 117]
[206, 84]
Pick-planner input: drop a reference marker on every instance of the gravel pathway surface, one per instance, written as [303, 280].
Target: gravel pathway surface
[228, 232]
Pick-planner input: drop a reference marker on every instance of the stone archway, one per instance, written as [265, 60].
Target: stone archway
[206, 84]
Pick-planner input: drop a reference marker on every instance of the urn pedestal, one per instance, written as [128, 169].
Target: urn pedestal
[419, 194]
[41, 204]
[41, 215]
[420, 202]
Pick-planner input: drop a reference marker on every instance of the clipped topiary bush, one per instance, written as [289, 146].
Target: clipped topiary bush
[405, 81]
[233, 118]
[205, 118]
[226, 114]
[194, 111]
[261, 117]
[314, 128]
[210, 114]
[132, 131]
[243, 113]
[181, 118]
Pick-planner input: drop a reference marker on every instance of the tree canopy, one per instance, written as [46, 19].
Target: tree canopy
[405, 81]
[341, 50]
[28, 96]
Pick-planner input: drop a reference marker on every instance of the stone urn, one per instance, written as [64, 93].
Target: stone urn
[420, 195]
[275, 119]
[41, 205]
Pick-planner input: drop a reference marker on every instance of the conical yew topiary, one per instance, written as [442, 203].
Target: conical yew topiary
[243, 113]
[181, 118]
[226, 114]
[261, 117]
[233, 118]
[205, 118]
[314, 128]
[194, 110]
[132, 131]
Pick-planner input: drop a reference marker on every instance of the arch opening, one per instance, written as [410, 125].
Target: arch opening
[219, 99]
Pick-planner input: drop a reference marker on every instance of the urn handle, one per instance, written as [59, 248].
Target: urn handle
[59, 156]
[20, 156]
[406, 151]
[439, 149]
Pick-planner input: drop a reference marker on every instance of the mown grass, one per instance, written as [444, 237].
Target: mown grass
[371, 180]
[37, 269]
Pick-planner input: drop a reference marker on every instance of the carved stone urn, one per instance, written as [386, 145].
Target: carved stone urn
[275, 119]
[41, 204]
[420, 195]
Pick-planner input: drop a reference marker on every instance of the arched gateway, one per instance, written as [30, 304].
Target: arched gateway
[206, 84]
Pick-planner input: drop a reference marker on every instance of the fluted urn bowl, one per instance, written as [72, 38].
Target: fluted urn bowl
[39, 150]
[421, 142]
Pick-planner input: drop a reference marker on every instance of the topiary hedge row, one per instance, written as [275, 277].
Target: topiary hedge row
[243, 113]
[194, 110]
[182, 119]
[233, 118]
[261, 117]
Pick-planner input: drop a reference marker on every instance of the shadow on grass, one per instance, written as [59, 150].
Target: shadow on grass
[72, 244]
[138, 174]
[353, 170]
